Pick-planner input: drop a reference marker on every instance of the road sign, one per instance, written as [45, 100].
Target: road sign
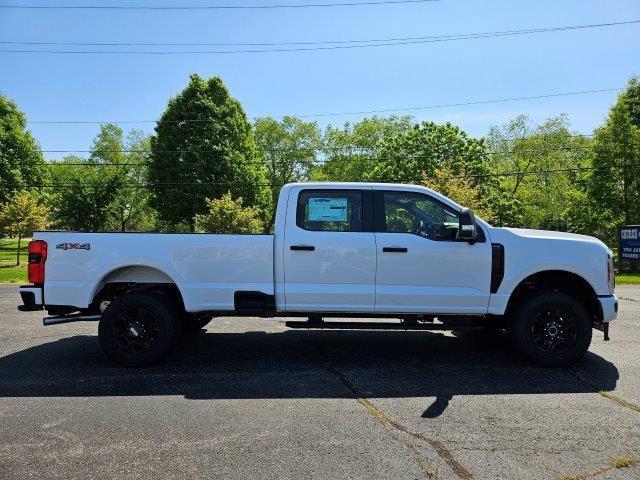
[629, 243]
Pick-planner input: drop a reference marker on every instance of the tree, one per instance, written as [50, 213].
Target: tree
[631, 96]
[203, 147]
[462, 190]
[442, 156]
[415, 155]
[21, 161]
[108, 190]
[540, 171]
[289, 149]
[352, 151]
[82, 194]
[227, 215]
[21, 216]
[614, 182]
[126, 161]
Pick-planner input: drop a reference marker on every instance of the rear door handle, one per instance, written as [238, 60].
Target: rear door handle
[394, 249]
[306, 248]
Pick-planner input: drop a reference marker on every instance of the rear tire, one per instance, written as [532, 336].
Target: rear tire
[552, 329]
[138, 329]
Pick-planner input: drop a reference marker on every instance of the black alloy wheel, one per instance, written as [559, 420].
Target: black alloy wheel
[551, 329]
[138, 329]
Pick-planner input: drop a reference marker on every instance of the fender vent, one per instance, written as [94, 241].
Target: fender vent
[497, 266]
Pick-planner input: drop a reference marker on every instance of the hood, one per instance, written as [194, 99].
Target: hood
[551, 235]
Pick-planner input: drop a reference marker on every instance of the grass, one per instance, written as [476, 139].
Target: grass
[13, 274]
[623, 460]
[8, 248]
[9, 273]
[628, 279]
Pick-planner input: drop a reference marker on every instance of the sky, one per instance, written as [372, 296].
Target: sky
[128, 87]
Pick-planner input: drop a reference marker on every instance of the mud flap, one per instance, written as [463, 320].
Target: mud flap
[603, 327]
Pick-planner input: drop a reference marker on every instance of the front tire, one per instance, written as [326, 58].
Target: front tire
[552, 329]
[138, 329]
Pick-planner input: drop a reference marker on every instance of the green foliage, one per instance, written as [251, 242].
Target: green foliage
[631, 96]
[100, 192]
[21, 216]
[226, 215]
[443, 157]
[288, 148]
[127, 162]
[628, 279]
[415, 155]
[218, 147]
[534, 199]
[82, 195]
[353, 151]
[614, 184]
[21, 161]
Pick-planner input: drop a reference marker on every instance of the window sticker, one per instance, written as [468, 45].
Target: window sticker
[327, 209]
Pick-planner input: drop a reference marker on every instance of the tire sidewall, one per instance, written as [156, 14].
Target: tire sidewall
[159, 308]
[532, 306]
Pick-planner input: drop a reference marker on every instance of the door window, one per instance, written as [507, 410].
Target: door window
[330, 210]
[420, 215]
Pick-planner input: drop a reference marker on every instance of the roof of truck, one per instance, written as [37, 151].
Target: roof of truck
[375, 186]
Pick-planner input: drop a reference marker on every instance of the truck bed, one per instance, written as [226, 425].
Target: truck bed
[207, 268]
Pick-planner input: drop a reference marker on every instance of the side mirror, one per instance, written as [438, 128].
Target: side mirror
[467, 227]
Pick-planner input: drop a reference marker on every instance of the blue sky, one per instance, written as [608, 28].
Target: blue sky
[131, 87]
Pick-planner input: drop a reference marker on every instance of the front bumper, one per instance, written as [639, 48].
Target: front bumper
[609, 305]
[31, 298]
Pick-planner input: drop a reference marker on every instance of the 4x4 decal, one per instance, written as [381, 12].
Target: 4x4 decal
[73, 246]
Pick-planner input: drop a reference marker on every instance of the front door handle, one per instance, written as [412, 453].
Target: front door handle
[305, 248]
[395, 249]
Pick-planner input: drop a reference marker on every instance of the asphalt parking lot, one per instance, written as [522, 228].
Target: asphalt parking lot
[252, 399]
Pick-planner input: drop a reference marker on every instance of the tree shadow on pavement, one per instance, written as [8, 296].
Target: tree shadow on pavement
[302, 364]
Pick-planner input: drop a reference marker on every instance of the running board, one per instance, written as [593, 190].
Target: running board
[375, 326]
[58, 319]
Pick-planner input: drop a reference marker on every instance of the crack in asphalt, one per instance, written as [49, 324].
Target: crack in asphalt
[610, 396]
[387, 421]
[443, 452]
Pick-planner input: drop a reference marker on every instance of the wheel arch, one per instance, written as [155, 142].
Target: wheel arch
[561, 281]
[128, 278]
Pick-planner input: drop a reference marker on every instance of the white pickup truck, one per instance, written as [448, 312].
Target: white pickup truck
[367, 250]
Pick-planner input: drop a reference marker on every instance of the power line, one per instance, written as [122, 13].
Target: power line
[336, 152]
[335, 114]
[346, 150]
[213, 7]
[319, 161]
[314, 48]
[375, 41]
[147, 185]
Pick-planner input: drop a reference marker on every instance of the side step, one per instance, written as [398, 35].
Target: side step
[58, 319]
[375, 326]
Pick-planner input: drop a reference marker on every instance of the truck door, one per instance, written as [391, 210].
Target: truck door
[421, 266]
[329, 251]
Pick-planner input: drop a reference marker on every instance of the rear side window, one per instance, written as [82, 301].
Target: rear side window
[330, 210]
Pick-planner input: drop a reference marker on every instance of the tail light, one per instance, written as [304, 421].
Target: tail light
[37, 257]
